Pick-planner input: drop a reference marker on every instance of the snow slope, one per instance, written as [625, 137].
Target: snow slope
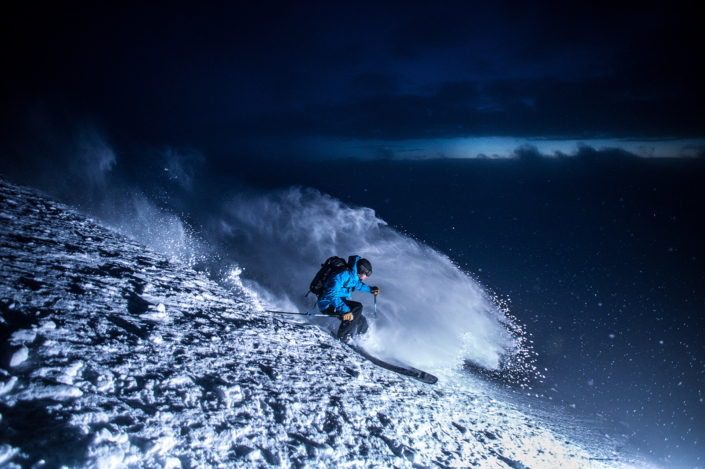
[115, 356]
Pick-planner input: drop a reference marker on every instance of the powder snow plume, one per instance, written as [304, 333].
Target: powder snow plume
[430, 313]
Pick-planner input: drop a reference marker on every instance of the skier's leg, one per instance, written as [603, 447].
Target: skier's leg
[361, 326]
[358, 325]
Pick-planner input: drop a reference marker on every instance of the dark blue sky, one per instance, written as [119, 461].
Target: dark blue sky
[277, 78]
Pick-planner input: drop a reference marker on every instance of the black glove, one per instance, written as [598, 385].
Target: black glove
[375, 290]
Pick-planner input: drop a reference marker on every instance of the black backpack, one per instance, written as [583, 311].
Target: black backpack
[331, 266]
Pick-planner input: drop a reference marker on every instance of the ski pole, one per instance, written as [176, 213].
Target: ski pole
[375, 305]
[301, 314]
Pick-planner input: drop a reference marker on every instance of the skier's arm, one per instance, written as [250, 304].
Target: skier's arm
[362, 286]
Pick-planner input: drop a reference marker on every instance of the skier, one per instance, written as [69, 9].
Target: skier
[335, 299]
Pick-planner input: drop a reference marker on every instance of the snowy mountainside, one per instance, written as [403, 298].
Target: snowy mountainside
[115, 356]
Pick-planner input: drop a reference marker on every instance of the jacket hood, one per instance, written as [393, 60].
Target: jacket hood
[352, 262]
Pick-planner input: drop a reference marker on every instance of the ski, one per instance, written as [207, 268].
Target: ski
[409, 371]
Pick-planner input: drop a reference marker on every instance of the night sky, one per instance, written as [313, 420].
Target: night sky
[554, 151]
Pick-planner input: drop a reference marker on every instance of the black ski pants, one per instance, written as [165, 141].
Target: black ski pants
[357, 326]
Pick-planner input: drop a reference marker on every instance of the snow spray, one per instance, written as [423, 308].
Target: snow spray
[431, 313]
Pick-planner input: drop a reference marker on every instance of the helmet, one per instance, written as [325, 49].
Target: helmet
[364, 267]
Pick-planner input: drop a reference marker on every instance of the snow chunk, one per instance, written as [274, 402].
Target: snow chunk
[72, 370]
[47, 326]
[172, 463]
[107, 456]
[105, 435]
[23, 335]
[19, 356]
[62, 375]
[156, 317]
[156, 338]
[104, 382]
[67, 375]
[179, 381]
[7, 387]
[64, 379]
[51, 348]
[231, 395]
[7, 452]
[162, 445]
[57, 393]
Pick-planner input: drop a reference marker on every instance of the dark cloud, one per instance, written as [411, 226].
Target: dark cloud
[595, 108]
[430, 27]
[368, 85]
[207, 76]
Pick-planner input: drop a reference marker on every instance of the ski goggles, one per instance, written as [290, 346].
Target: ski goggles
[364, 271]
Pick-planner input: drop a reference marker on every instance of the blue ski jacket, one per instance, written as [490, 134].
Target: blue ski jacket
[339, 287]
